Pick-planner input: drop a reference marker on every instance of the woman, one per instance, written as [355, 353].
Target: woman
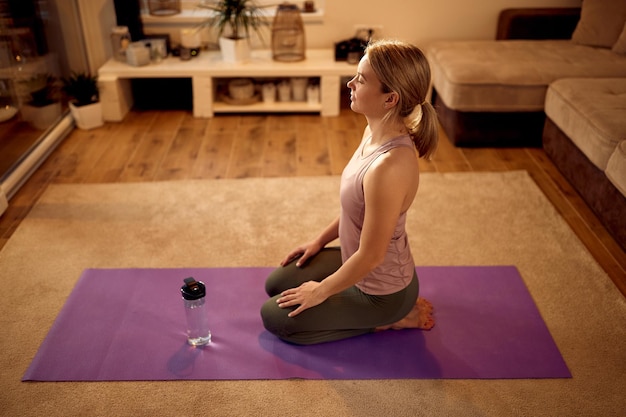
[322, 294]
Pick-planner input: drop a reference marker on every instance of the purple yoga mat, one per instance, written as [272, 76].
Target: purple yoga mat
[129, 324]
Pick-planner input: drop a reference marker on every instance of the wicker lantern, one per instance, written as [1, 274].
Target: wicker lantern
[288, 43]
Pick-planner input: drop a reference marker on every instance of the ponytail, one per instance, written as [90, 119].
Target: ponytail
[423, 128]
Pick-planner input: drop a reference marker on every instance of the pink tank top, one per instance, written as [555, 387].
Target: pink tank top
[396, 271]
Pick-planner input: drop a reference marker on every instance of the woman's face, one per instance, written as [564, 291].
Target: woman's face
[366, 92]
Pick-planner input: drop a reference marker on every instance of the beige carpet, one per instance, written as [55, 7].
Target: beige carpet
[457, 219]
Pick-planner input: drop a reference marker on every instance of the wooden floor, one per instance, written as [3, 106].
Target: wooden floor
[172, 145]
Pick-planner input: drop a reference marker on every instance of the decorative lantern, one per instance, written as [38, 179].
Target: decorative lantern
[288, 43]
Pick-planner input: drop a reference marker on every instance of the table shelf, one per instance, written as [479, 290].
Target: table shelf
[208, 69]
[262, 107]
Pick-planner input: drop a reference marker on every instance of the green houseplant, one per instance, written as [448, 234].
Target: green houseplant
[44, 106]
[234, 21]
[85, 106]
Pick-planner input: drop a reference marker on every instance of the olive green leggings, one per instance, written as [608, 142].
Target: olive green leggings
[346, 314]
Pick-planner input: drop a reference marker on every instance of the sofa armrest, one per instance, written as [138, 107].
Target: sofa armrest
[537, 23]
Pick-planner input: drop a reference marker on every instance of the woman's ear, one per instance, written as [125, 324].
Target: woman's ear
[392, 99]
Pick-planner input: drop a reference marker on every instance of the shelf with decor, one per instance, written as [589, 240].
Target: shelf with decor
[267, 95]
[208, 69]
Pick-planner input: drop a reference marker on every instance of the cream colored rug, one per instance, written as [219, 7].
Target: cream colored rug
[457, 219]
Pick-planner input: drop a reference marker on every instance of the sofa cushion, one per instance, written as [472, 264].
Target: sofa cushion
[601, 22]
[616, 167]
[511, 76]
[619, 46]
[590, 111]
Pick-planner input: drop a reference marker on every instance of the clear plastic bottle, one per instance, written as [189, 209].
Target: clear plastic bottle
[193, 293]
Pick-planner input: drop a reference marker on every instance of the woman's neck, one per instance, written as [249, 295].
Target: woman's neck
[382, 132]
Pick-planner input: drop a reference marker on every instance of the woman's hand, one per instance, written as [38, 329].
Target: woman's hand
[305, 296]
[303, 252]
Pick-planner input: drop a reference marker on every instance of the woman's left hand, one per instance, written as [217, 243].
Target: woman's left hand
[305, 296]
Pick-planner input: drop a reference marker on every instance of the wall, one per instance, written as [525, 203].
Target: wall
[98, 17]
[417, 21]
[87, 43]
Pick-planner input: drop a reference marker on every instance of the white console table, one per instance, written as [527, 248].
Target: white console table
[207, 68]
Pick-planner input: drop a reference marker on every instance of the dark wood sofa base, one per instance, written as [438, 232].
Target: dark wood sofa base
[594, 187]
[496, 129]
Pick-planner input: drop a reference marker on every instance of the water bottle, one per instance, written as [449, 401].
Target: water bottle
[198, 332]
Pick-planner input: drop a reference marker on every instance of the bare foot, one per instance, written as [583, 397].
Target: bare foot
[420, 317]
[424, 305]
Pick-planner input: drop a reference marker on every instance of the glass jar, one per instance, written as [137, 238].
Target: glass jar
[120, 39]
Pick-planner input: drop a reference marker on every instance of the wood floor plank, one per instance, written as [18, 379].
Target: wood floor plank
[146, 159]
[246, 157]
[307, 121]
[484, 159]
[427, 166]
[91, 145]
[341, 146]
[122, 144]
[279, 154]
[183, 152]
[224, 123]
[312, 153]
[169, 120]
[277, 123]
[449, 158]
[214, 155]
[345, 121]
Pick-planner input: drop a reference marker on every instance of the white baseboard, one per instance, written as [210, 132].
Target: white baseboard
[14, 180]
[4, 203]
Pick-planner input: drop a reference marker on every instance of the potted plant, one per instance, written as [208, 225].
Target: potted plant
[85, 106]
[234, 21]
[44, 106]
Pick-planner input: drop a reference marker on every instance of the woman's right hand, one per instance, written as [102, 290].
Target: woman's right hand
[302, 253]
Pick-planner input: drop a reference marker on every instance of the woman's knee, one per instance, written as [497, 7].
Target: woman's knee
[273, 317]
[283, 278]
[327, 261]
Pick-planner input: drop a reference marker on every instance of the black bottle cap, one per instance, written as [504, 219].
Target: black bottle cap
[193, 290]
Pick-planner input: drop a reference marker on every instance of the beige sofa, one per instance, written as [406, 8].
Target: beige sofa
[492, 93]
[567, 94]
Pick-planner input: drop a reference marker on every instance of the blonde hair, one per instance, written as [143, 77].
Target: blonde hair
[403, 68]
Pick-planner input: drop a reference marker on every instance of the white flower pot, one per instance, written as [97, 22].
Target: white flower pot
[234, 50]
[87, 117]
[41, 117]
